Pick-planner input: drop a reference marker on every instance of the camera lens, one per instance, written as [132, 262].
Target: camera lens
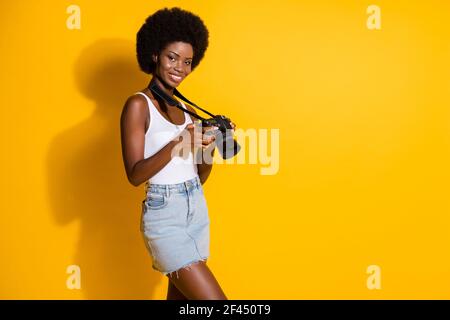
[226, 145]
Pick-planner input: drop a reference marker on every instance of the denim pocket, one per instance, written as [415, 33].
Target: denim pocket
[156, 200]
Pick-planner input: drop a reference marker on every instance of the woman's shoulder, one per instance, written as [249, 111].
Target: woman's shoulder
[135, 101]
[135, 107]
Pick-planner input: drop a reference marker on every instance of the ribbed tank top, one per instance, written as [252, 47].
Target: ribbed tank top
[159, 133]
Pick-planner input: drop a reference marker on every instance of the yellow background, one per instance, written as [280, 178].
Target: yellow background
[364, 149]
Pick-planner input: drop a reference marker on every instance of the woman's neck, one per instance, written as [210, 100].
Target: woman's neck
[164, 86]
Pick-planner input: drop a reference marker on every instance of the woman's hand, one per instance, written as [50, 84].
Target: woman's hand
[207, 129]
[192, 137]
[208, 137]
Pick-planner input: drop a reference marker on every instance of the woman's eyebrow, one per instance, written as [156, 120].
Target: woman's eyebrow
[178, 54]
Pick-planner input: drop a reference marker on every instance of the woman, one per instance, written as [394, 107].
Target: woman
[175, 221]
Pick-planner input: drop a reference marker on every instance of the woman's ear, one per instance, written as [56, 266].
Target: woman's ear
[155, 58]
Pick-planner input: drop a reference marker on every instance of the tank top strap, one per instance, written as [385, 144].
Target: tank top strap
[149, 103]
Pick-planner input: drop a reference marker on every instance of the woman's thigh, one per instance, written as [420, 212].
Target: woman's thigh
[198, 283]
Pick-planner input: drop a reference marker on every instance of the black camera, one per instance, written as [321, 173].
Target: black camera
[227, 146]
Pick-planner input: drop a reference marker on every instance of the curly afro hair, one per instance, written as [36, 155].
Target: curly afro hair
[166, 26]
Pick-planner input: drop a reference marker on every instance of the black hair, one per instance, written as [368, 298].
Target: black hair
[166, 26]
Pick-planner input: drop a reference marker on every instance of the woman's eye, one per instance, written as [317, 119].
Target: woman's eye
[173, 59]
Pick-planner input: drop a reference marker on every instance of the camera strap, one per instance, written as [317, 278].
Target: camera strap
[173, 102]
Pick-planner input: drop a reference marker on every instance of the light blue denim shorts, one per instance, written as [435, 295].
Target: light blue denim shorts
[175, 225]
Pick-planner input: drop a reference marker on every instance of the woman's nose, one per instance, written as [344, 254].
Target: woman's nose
[178, 67]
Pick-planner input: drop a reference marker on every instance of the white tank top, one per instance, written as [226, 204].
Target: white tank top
[159, 133]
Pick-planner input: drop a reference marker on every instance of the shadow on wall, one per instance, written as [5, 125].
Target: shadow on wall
[87, 180]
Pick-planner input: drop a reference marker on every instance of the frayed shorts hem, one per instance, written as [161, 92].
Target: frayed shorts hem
[185, 266]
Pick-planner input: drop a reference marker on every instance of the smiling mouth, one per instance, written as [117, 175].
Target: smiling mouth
[175, 78]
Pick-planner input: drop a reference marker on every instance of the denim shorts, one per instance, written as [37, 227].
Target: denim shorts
[175, 225]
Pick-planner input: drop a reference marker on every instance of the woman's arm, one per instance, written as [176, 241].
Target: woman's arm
[132, 128]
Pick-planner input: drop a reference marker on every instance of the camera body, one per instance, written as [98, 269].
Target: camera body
[226, 145]
[222, 122]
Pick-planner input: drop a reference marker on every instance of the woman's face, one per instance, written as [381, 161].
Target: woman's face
[174, 62]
